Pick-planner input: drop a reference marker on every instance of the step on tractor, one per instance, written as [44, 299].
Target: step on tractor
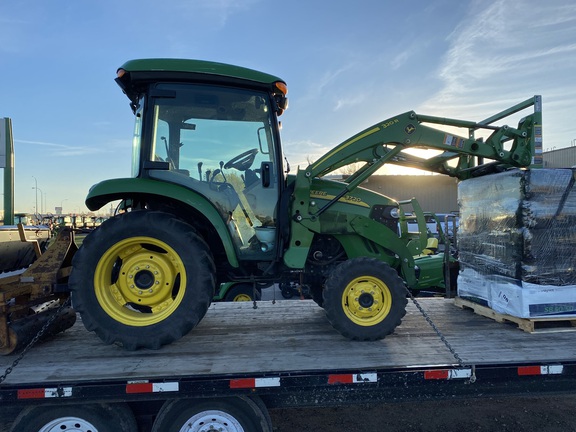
[211, 201]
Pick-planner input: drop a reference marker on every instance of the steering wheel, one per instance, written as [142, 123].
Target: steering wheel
[243, 161]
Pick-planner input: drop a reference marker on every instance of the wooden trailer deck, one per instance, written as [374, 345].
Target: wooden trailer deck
[290, 336]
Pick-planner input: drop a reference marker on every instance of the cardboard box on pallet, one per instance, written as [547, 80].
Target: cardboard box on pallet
[517, 240]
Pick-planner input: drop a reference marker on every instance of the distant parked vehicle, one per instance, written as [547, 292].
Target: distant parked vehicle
[449, 222]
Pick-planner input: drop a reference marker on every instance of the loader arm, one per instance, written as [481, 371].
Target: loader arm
[460, 157]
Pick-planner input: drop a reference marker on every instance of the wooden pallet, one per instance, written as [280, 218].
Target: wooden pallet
[530, 325]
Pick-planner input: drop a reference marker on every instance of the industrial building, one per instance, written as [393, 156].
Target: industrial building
[439, 193]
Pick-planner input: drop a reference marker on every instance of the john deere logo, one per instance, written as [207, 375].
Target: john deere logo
[409, 129]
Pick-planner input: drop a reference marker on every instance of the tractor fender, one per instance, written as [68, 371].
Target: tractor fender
[117, 189]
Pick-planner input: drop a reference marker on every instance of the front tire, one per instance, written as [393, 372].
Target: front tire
[243, 292]
[237, 414]
[364, 299]
[142, 279]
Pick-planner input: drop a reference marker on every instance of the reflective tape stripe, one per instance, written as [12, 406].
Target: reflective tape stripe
[146, 387]
[255, 382]
[446, 374]
[352, 378]
[540, 370]
[44, 393]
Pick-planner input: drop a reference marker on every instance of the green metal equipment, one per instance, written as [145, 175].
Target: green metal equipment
[211, 202]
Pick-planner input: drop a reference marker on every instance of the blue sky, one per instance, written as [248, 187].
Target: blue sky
[348, 65]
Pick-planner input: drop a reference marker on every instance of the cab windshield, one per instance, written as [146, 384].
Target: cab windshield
[220, 142]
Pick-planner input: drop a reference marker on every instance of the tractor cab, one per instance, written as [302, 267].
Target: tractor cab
[219, 139]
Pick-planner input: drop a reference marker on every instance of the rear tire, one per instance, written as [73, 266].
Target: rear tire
[237, 414]
[81, 418]
[142, 279]
[364, 299]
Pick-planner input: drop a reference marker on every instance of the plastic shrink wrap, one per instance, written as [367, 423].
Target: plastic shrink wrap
[517, 242]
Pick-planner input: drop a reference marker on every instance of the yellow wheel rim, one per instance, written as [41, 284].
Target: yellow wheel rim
[366, 301]
[140, 281]
[242, 297]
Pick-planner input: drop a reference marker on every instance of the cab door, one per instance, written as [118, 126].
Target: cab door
[221, 142]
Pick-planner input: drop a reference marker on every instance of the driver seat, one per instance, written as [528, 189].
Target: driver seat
[224, 198]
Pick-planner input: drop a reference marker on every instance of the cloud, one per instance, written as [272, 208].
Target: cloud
[65, 150]
[495, 45]
[301, 153]
[400, 59]
[347, 102]
[408, 53]
[505, 51]
[219, 11]
[327, 79]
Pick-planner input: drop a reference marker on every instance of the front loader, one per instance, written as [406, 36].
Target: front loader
[211, 201]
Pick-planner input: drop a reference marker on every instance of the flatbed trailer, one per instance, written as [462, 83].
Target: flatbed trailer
[286, 354]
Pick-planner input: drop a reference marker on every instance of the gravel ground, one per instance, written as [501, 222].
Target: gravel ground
[520, 414]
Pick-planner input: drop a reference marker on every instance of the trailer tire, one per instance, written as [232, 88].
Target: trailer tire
[80, 418]
[143, 279]
[236, 414]
[364, 299]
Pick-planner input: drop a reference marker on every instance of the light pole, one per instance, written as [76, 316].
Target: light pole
[62, 206]
[42, 202]
[36, 187]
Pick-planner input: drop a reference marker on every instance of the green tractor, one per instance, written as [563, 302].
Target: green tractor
[212, 201]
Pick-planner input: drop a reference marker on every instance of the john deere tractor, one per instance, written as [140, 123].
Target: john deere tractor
[211, 201]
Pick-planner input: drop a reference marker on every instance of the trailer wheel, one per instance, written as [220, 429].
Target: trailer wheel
[237, 414]
[243, 292]
[364, 299]
[77, 418]
[142, 279]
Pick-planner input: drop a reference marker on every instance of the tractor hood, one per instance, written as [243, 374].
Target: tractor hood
[358, 202]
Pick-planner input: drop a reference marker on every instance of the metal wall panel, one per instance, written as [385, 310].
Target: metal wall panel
[562, 158]
[435, 193]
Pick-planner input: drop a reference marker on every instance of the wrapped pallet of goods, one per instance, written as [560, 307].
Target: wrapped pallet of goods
[517, 240]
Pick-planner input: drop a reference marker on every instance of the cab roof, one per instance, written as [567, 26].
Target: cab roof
[134, 73]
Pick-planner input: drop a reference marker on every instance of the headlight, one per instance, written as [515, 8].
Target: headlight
[394, 213]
